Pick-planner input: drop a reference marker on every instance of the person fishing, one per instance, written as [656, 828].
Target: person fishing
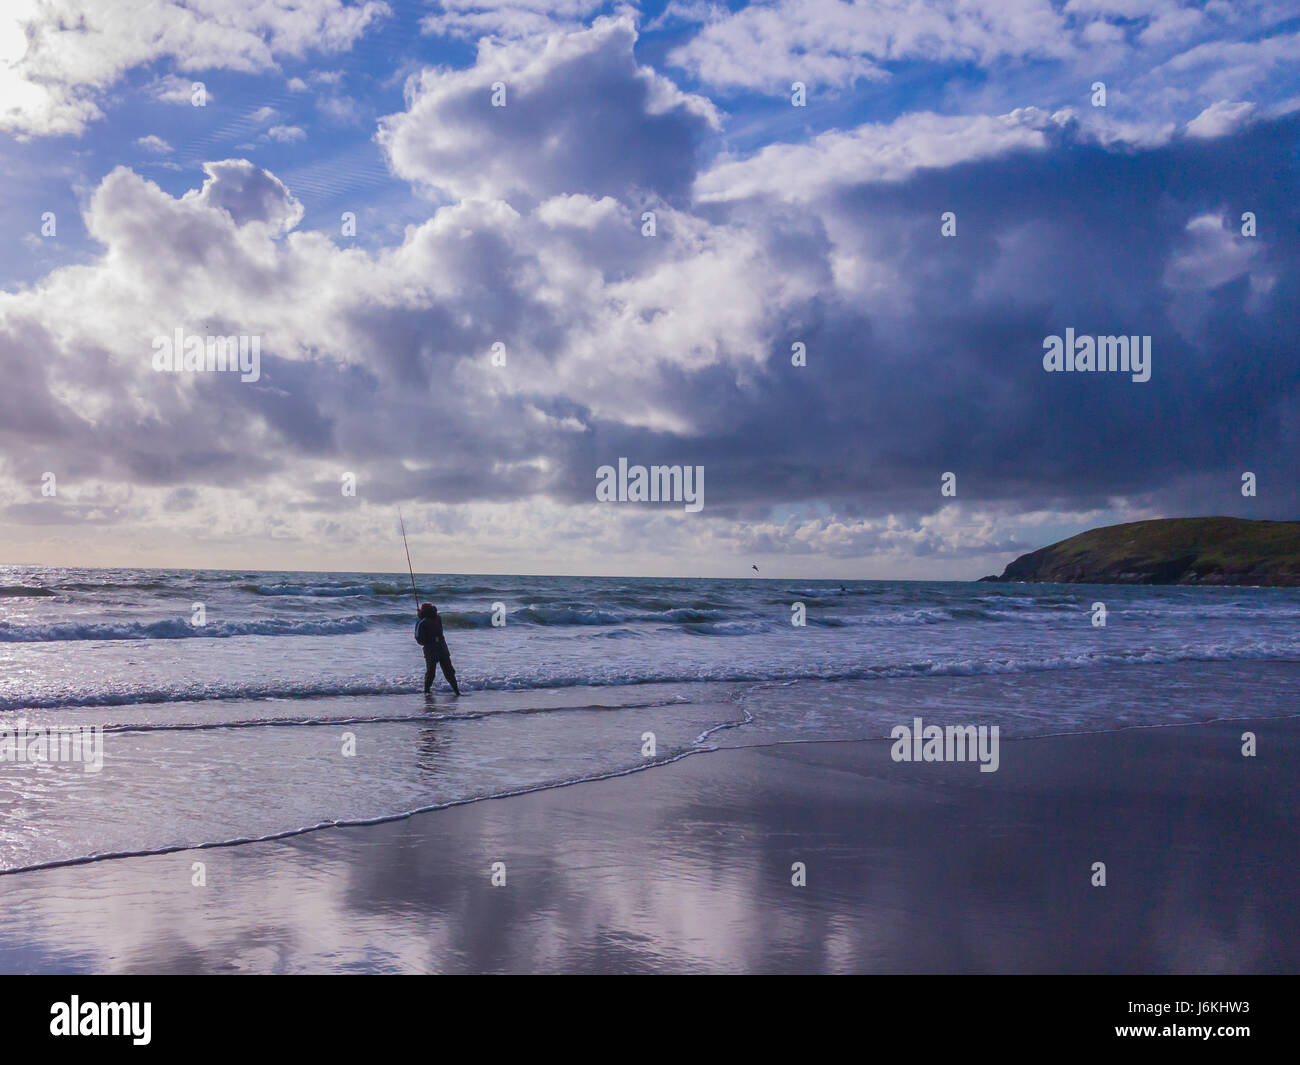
[428, 634]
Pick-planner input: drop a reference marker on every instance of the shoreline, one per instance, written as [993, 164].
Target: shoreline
[686, 867]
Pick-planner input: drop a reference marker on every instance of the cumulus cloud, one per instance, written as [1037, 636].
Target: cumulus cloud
[248, 194]
[581, 115]
[57, 56]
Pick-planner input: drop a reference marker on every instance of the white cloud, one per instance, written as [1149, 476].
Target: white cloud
[874, 152]
[1162, 60]
[155, 144]
[765, 46]
[72, 50]
[1212, 254]
[581, 115]
[248, 194]
[1224, 69]
[285, 134]
[1220, 119]
[581, 212]
[512, 19]
[342, 109]
[173, 89]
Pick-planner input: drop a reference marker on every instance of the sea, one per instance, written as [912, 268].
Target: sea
[236, 706]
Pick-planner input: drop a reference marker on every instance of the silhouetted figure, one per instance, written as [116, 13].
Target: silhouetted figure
[428, 634]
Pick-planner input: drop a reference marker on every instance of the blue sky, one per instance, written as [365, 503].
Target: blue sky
[522, 225]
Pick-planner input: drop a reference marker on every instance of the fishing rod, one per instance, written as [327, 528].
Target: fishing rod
[408, 562]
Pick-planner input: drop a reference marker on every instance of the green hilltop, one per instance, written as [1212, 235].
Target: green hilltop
[1215, 551]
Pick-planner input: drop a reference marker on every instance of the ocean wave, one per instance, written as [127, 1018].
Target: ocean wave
[1250, 612]
[728, 628]
[423, 716]
[707, 621]
[569, 615]
[583, 614]
[23, 591]
[196, 693]
[177, 629]
[112, 586]
[719, 671]
[326, 591]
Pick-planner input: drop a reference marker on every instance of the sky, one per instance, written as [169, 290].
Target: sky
[813, 248]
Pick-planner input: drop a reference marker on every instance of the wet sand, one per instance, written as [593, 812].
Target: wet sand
[687, 868]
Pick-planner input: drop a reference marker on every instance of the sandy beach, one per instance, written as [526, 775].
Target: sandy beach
[910, 868]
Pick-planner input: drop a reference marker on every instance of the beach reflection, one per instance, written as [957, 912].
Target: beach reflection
[688, 868]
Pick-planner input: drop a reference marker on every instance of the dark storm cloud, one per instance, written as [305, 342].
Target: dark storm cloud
[1075, 236]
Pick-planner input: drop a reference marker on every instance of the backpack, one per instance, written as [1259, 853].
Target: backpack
[434, 642]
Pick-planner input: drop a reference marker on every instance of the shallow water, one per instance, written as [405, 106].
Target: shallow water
[297, 703]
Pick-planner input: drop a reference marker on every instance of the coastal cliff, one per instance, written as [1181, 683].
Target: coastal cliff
[1213, 551]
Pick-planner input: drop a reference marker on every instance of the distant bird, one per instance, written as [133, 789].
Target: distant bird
[755, 569]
